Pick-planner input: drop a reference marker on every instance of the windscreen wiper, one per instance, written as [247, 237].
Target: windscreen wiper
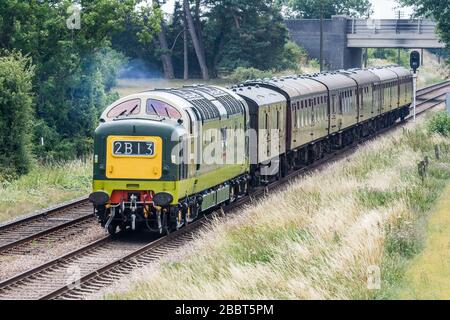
[122, 113]
[132, 110]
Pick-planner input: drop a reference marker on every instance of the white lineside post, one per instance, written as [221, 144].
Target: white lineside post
[414, 94]
[447, 100]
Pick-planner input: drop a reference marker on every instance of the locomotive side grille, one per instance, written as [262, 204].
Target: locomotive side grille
[231, 104]
[203, 106]
[207, 109]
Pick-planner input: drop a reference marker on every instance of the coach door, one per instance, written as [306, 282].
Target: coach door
[333, 107]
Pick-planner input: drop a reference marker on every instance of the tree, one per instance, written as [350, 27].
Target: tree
[75, 68]
[310, 9]
[436, 9]
[148, 22]
[16, 74]
[248, 33]
[199, 50]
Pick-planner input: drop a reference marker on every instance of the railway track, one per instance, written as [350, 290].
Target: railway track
[46, 225]
[100, 264]
[432, 96]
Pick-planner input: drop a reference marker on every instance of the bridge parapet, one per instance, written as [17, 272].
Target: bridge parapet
[392, 33]
[397, 26]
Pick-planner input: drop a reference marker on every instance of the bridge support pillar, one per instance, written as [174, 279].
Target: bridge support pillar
[306, 33]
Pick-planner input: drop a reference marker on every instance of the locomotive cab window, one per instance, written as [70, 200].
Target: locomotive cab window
[163, 109]
[126, 108]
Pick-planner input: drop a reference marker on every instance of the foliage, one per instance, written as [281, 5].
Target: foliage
[45, 185]
[311, 9]
[440, 124]
[293, 56]
[16, 73]
[314, 63]
[241, 74]
[75, 68]
[436, 9]
[390, 54]
[247, 33]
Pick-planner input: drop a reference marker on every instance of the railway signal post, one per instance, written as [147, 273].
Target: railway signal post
[414, 62]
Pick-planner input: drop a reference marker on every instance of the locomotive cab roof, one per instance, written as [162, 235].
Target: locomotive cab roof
[199, 102]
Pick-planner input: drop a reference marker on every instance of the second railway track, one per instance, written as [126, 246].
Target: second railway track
[44, 225]
[99, 264]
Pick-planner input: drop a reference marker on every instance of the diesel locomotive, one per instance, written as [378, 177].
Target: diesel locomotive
[163, 157]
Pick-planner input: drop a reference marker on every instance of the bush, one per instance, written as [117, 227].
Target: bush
[16, 74]
[390, 54]
[314, 64]
[440, 124]
[293, 57]
[69, 108]
[241, 74]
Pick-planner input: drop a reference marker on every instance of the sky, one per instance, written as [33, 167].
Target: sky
[387, 9]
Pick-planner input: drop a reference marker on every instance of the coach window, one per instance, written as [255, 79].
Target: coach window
[163, 109]
[295, 118]
[125, 108]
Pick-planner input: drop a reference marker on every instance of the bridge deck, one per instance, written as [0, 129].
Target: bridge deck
[392, 33]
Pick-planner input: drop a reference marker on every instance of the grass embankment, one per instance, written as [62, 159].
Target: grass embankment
[44, 186]
[428, 276]
[320, 238]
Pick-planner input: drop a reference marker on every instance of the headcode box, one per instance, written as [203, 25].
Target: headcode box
[448, 102]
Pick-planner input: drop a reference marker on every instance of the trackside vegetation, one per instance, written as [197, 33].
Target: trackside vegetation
[16, 73]
[346, 232]
[43, 186]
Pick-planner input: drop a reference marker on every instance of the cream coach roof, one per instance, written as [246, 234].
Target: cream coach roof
[306, 86]
[401, 71]
[334, 81]
[362, 76]
[384, 74]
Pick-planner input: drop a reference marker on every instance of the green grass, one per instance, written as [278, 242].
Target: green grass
[428, 275]
[44, 186]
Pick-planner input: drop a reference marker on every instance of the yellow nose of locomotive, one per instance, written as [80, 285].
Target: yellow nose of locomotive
[134, 157]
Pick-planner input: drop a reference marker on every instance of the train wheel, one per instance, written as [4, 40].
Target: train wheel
[232, 195]
[245, 188]
[112, 229]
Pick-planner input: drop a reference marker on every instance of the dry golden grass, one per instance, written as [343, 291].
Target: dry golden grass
[316, 239]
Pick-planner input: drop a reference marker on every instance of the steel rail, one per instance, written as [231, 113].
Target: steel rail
[44, 223]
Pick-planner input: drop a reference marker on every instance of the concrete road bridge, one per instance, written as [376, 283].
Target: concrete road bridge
[345, 38]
